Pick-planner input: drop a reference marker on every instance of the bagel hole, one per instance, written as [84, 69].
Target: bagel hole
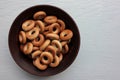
[38, 38]
[54, 29]
[45, 58]
[57, 55]
[55, 45]
[28, 24]
[41, 62]
[65, 35]
[33, 32]
[41, 17]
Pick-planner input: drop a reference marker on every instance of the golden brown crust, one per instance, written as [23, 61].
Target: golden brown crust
[52, 36]
[39, 65]
[50, 19]
[63, 43]
[49, 57]
[27, 49]
[36, 54]
[47, 27]
[55, 62]
[35, 48]
[57, 44]
[39, 15]
[45, 44]
[61, 23]
[22, 37]
[32, 34]
[65, 49]
[39, 40]
[66, 34]
[54, 28]
[51, 49]
[60, 56]
[41, 25]
[28, 25]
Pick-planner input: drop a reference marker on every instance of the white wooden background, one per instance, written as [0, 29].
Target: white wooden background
[99, 25]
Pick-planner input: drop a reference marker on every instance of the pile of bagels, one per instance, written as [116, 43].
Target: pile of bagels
[46, 39]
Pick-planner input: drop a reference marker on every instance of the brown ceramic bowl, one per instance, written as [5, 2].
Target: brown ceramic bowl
[26, 63]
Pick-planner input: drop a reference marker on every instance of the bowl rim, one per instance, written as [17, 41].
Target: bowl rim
[42, 5]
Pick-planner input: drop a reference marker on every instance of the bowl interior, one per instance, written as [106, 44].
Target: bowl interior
[25, 62]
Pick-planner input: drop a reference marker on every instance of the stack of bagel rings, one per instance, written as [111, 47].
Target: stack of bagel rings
[45, 38]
